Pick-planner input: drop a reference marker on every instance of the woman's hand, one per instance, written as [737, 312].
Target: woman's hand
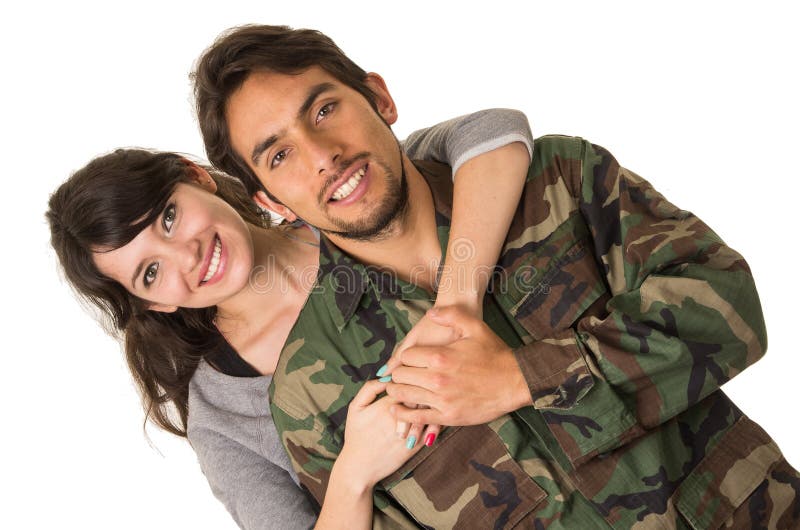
[372, 450]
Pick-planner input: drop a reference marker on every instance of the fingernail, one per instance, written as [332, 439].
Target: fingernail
[385, 379]
[430, 439]
[411, 441]
[401, 428]
[382, 370]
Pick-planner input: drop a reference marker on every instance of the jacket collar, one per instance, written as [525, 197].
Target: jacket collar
[343, 280]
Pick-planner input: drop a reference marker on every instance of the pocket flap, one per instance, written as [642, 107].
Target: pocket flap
[466, 480]
[727, 475]
[569, 285]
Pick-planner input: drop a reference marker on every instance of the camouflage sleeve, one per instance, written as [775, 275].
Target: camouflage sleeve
[460, 139]
[681, 318]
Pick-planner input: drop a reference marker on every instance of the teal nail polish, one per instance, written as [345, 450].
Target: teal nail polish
[385, 379]
[382, 370]
[411, 441]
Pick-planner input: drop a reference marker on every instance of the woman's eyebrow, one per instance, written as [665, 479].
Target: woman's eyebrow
[136, 273]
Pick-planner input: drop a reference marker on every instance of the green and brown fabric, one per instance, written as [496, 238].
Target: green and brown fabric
[626, 314]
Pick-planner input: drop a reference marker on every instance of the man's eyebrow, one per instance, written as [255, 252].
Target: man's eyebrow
[313, 93]
[259, 149]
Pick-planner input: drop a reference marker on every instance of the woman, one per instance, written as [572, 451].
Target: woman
[145, 236]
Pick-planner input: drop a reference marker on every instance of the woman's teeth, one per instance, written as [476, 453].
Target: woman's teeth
[212, 267]
[348, 187]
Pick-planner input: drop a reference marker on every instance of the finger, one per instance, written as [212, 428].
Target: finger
[421, 416]
[431, 433]
[455, 317]
[424, 356]
[426, 378]
[411, 394]
[398, 358]
[368, 392]
[414, 436]
[393, 362]
[401, 428]
[410, 339]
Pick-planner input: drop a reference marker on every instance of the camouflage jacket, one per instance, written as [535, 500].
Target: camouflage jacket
[626, 314]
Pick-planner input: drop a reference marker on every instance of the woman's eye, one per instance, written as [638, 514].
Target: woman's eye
[325, 111]
[168, 217]
[278, 158]
[150, 274]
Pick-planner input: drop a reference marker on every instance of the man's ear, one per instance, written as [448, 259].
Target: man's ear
[383, 100]
[162, 308]
[200, 176]
[264, 201]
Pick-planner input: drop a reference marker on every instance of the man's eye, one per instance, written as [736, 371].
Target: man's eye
[325, 111]
[150, 274]
[168, 217]
[278, 158]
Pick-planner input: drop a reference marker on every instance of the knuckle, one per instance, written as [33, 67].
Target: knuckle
[438, 360]
[438, 382]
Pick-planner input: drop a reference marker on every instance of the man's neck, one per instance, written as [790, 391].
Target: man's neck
[411, 248]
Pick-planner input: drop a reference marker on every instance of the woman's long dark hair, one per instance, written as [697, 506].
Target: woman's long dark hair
[104, 206]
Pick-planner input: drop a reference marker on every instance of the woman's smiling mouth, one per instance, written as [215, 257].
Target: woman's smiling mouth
[215, 263]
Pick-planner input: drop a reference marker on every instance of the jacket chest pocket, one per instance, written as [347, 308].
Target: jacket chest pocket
[556, 282]
[466, 480]
[719, 491]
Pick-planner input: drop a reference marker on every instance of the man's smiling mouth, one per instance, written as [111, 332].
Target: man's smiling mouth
[347, 188]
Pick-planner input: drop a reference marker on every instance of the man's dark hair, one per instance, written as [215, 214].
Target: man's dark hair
[240, 51]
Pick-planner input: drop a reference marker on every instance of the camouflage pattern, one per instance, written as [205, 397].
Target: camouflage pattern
[626, 313]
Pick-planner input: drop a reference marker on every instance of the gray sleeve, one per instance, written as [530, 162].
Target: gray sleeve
[256, 492]
[460, 139]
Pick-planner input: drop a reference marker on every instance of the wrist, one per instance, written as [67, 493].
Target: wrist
[518, 387]
[349, 476]
[470, 301]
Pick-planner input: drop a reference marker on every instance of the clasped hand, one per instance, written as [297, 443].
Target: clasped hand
[453, 370]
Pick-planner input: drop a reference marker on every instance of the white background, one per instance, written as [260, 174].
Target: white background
[700, 98]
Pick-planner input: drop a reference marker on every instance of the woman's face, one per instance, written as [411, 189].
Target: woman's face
[197, 253]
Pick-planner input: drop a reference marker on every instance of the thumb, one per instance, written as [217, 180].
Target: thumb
[454, 317]
[368, 392]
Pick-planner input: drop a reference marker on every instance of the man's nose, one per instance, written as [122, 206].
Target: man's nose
[325, 154]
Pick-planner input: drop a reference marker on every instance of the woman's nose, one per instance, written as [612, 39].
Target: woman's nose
[188, 255]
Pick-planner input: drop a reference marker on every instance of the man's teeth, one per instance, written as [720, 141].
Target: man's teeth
[348, 187]
[212, 267]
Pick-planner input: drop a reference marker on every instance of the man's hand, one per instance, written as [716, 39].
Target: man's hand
[425, 333]
[473, 380]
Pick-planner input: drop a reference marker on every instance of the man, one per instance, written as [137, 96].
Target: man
[588, 398]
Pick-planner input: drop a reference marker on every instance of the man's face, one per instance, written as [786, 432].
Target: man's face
[320, 148]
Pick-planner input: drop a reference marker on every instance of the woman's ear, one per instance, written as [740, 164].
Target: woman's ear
[265, 202]
[200, 176]
[162, 308]
[383, 100]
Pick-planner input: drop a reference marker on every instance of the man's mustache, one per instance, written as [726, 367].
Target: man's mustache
[342, 167]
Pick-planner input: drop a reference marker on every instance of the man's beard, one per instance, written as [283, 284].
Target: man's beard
[393, 207]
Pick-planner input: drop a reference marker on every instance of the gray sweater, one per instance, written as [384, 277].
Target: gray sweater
[230, 426]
